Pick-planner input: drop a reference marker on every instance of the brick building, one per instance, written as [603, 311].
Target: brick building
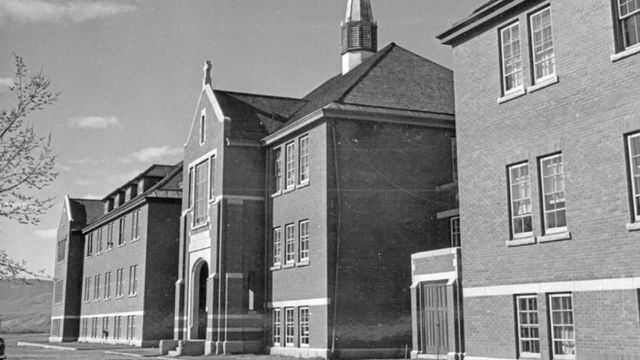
[547, 134]
[301, 214]
[121, 262]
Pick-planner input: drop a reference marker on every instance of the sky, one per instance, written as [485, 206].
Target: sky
[130, 72]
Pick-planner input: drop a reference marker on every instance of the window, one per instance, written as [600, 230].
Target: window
[304, 326]
[277, 170]
[190, 195]
[212, 173]
[107, 285]
[203, 122]
[62, 246]
[454, 223]
[110, 236]
[99, 241]
[276, 327]
[628, 13]
[96, 288]
[542, 45]
[277, 246]
[553, 194]
[511, 58]
[87, 288]
[290, 241]
[528, 332]
[520, 200]
[131, 327]
[57, 291]
[303, 229]
[634, 172]
[122, 226]
[89, 244]
[562, 328]
[119, 282]
[290, 170]
[94, 327]
[133, 280]
[84, 328]
[135, 225]
[304, 159]
[289, 320]
[117, 327]
[200, 208]
[105, 327]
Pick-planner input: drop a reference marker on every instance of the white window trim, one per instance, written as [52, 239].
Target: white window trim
[203, 127]
[305, 181]
[277, 323]
[308, 240]
[552, 324]
[524, 235]
[526, 354]
[288, 240]
[300, 309]
[560, 229]
[634, 191]
[279, 183]
[287, 186]
[276, 264]
[546, 78]
[286, 326]
[520, 88]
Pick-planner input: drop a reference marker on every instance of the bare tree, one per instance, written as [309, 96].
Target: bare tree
[26, 159]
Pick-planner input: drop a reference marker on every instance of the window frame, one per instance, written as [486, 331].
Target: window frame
[303, 240]
[278, 174]
[109, 236]
[535, 79]
[107, 285]
[58, 291]
[512, 211]
[303, 326]
[545, 222]
[276, 327]
[290, 244]
[200, 216]
[290, 166]
[133, 280]
[90, 244]
[277, 246]
[290, 326]
[454, 227]
[303, 160]
[99, 240]
[619, 28]
[503, 74]
[135, 225]
[552, 325]
[634, 190]
[96, 287]
[520, 325]
[122, 225]
[61, 250]
[203, 127]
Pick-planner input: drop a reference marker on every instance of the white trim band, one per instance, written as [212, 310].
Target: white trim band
[449, 276]
[65, 317]
[127, 313]
[433, 253]
[293, 303]
[560, 286]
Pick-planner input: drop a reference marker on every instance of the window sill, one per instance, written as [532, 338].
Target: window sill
[138, 238]
[565, 235]
[303, 263]
[543, 84]
[302, 184]
[635, 226]
[510, 96]
[525, 356]
[277, 193]
[521, 241]
[288, 265]
[275, 267]
[625, 53]
[289, 189]
[199, 227]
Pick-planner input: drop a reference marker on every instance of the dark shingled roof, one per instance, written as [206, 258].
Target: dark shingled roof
[254, 116]
[84, 211]
[392, 78]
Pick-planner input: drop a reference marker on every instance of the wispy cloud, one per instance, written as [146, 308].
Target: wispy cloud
[83, 182]
[5, 83]
[61, 11]
[46, 234]
[94, 122]
[119, 179]
[153, 153]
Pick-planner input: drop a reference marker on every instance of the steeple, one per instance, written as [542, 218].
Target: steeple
[359, 34]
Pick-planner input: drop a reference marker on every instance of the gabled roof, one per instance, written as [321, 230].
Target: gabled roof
[391, 78]
[254, 116]
[84, 211]
[155, 170]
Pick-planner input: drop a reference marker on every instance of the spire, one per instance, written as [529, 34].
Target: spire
[359, 34]
[207, 73]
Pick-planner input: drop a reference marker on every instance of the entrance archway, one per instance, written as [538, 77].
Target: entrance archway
[199, 311]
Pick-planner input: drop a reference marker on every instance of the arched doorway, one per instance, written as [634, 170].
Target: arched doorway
[199, 312]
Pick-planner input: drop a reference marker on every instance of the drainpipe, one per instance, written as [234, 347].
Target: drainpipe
[267, 231]
[338, 233]
[220, 268]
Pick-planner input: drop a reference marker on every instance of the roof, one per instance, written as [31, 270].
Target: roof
[391, 78]
[155, 170]
[167, 188]
[253, 115]
[84, 211]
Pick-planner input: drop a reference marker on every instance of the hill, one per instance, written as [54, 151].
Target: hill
[25, 307]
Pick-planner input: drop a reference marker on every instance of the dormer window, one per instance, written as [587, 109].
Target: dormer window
[203, 118]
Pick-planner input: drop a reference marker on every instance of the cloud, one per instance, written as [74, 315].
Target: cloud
[5, 83]
[61, 11]
[92, 196]
[94, 122]
[153, 153]
[46, 234]
[120, 179]
[83, 182]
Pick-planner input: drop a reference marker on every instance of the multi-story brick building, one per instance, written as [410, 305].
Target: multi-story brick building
[122, 263]
[547, 133]
[301, 214]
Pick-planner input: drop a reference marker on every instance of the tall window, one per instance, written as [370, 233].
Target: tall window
[563, 334]
[117, 327]
[454, 223]
[119, 282]
[200, 208]
[110, 236]
[628, 22]
[542, 45]
[511, 58]
[290, 169]
[528, 332]
[89, 244]
[57, 291]
[96, 288]
[84, 328]
[303, 229]
[122, 226]
[190, 192]
[107, 285]
[133, 280]
[304, 159]
[87, 288]
[135, 225]
[105, 326]
[94, 327]
[99, 241]
[553, 193]
[289, 320]
[277, 169]
[212, 173]
[202, 128]
[277, 246]
[634, 167]
[290, 241]
[62, 246]
[131, 327]
[304, 326]
[520, 194]
[277, 336]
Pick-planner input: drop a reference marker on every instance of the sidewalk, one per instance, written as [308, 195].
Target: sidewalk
[107, 348]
